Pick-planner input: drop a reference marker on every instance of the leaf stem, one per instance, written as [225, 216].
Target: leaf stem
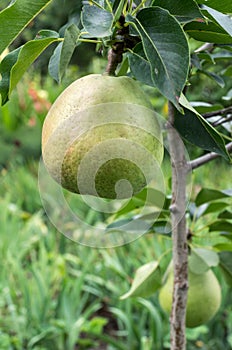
[90, 41]
[138, 7]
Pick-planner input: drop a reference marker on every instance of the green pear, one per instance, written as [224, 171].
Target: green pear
[204, 297]
[101, 137]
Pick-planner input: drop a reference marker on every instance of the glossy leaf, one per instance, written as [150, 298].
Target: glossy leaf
[140, 66]
[147, 281]
[183, 10]
[202, 260]
[15, 64]
[166, 49]
[210, 32]
[224, 6]
[201, 133]
[208, 195]
[63, 53]
[15, 18]
[223, 20]
[96, 21]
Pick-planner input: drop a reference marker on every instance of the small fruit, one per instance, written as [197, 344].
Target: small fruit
[101, 137]
[204, 297]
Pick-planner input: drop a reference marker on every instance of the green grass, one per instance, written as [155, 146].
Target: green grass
[56, 294]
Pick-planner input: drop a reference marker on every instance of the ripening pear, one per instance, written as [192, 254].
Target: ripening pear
[101, 137]
[204, 297]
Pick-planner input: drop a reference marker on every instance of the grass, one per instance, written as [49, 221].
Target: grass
[55, 294]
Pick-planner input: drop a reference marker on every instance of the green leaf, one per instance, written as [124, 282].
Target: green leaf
[118, 7]
[15, 18]
[15, 64]
[221, 225]
[201, 133]
[139, 65]
[208, 195]
[210, 32]
[202, 260]
[204, 107]
[222, 6]
[223, 20]
[96, 21]
[63, 53]
[166, 49]
[215, 207]
[225, 215]
[223, 246]
[215, 77]
[184, 11]
[226, 265]
[147, 280]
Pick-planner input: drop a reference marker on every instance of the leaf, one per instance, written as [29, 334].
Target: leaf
[223, 246]
[96, 21]
[226, 265]
[208, 195]
[210, 32]
[184, 11]
[225, 215]
[140, 66]
[202, 260]
[215, 77]
[204, 107]
[196, 130]
[215, 207]
[166, 49]
[63, 53]
[222, 6]
[221, 225]
[15, 64]
[147, 280]
[15, 18]
[223, 20]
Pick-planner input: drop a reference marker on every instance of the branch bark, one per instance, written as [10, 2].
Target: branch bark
[196, 163]
[179, 234]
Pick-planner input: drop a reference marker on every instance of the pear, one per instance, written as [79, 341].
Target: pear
[204, 297]
[101, 137]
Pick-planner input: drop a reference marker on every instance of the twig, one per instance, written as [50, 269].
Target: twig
[204, 47]
[223, 112]
[179, 235]
[196, 163]
[222, 120]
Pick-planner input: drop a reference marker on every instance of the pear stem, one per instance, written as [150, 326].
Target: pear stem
[115, 54]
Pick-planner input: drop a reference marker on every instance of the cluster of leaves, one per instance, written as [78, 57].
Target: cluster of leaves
[160, 56]
[210, 240]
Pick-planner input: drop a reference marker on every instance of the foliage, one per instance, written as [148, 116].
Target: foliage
[55, 294]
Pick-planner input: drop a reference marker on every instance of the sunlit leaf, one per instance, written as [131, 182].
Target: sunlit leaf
[202, 259]
[15, 18]
[146, 281]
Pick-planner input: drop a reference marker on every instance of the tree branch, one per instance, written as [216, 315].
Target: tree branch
[179, 234]
[196, 163]
[223, 112]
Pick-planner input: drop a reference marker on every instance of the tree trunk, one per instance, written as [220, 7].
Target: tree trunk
[179, 235]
